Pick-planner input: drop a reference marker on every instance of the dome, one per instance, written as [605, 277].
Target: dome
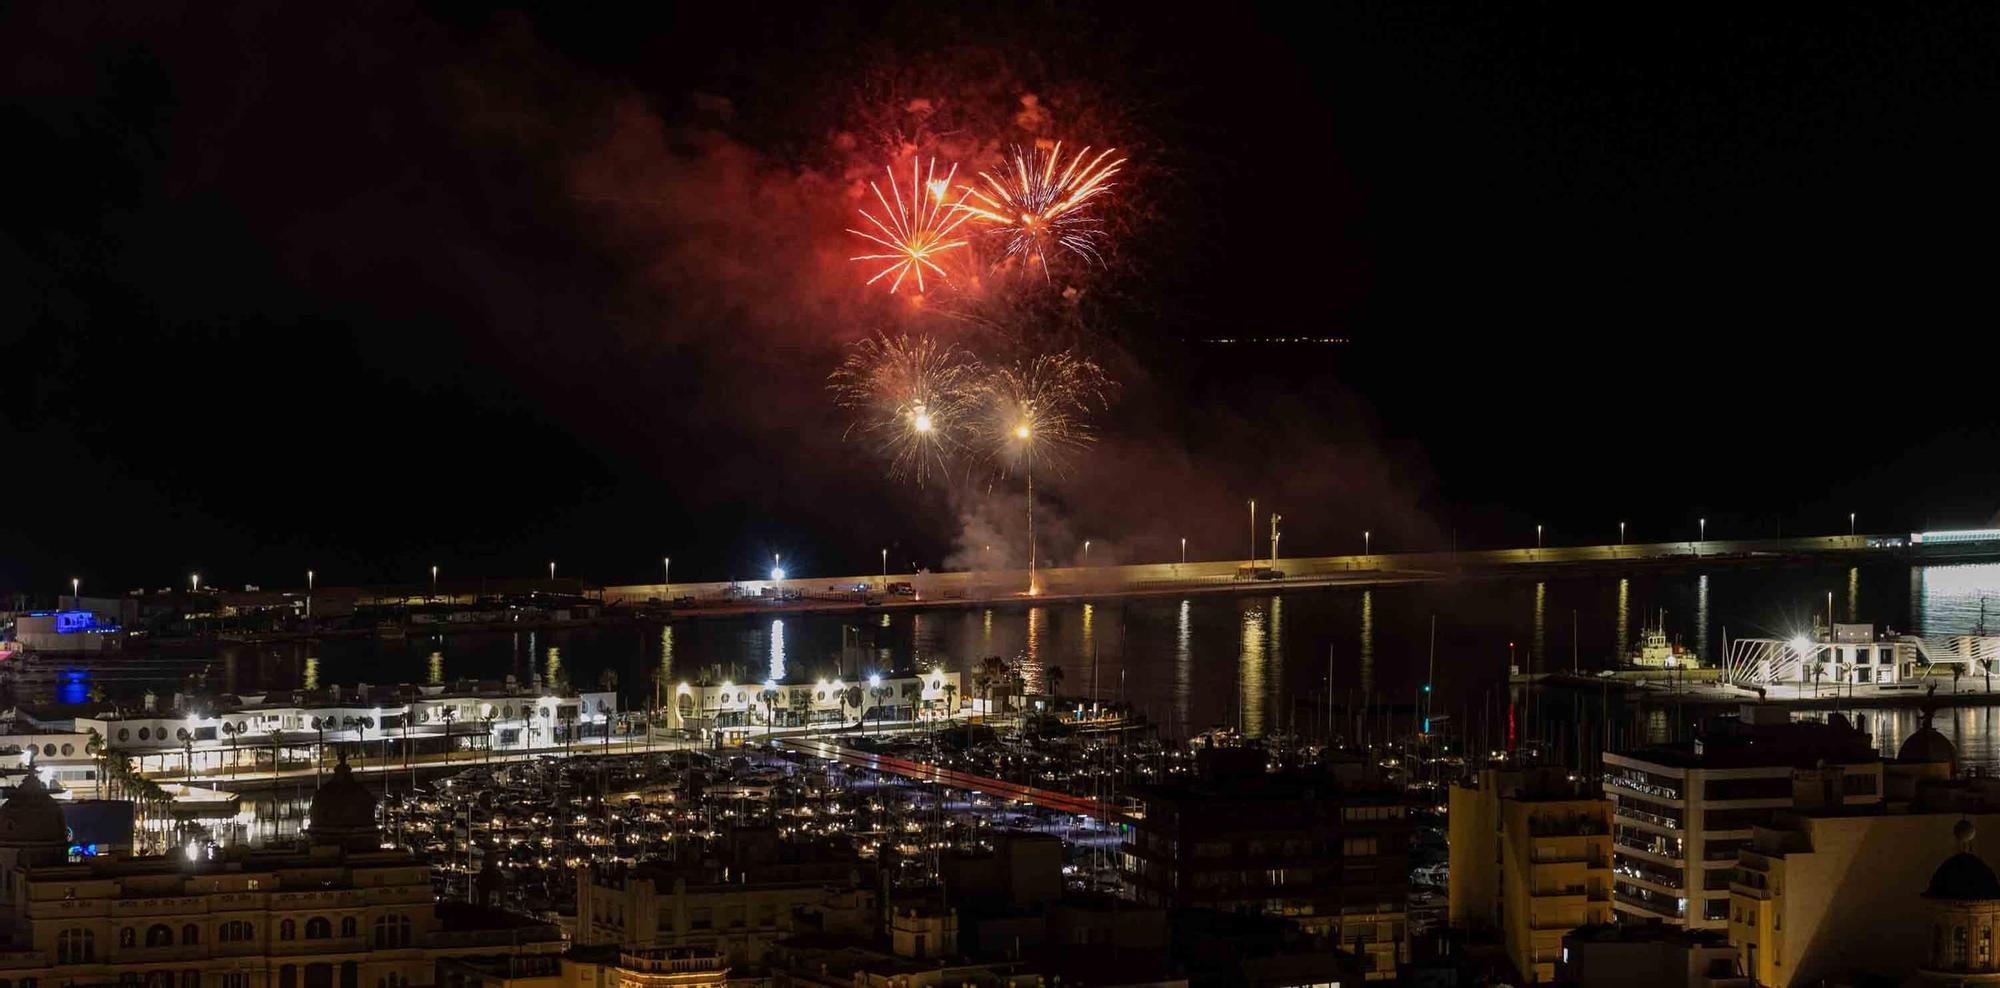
[343, 810]
[31, 815]
[1927, 747]
[1963, 877]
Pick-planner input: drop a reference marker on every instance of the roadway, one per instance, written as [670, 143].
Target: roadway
[1061, 802]
[1220, 576]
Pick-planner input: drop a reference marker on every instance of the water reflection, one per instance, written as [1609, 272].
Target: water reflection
[553, 675]
[1183, 665]
[776, 671]
[666, 653]
[1367, 643]
[1538, 641]
[1951, 600]
[311, 679]
[1250, 650]
[1624, 618]
[1031, 667]
[1853, 593]
[1274, 672]
[434, 669]
[1701, 620]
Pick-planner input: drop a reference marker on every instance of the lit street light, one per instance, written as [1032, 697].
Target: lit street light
[777, 571]
[1183, 550]
[552, 571]
[1621, 533]
[1365, 537]
[1850, 523]
[434, 580]
[1704, 530]
[1538, 536]
[75, 586]
[1086, 552]
[885, 563]
[1253, 533]
[194, 582]
[667, 571]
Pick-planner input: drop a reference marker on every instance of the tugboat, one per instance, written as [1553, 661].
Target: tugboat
[1655, 651]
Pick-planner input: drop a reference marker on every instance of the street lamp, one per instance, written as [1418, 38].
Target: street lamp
[1850, 523]
[74, 588]
[1538, 535]
[1253, 533]
[434, 580]
[777, 571]
[1365, 537]
[1704, 529]
[1621, 533]
[552, 571]
[194, 582]
[1183, 550]
[885, 563]
[309, 594]
[667, 571]
[1086, 552]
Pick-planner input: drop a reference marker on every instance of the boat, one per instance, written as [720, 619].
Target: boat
[1656, 651]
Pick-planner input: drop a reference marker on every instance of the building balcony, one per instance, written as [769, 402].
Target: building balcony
[1646, 852]
[1644, 908]
[1638, 790]
[1644, 819]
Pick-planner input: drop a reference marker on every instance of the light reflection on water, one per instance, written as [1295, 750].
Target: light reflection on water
[1194, 663]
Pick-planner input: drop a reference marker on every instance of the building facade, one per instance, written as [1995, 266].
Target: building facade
[339, 912]
[1331, 853]
[1530, 856]
[1680, 813]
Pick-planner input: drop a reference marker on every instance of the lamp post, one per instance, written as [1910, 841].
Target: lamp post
[1621, 533]
[667, 571]
[1538, 535]
[1850, 523]
[1702, 531]
[75, 590]
[1365, 537]
[1183, 550]
[885, 563]
[552, 571]
[309, 594]
[1086, 552]
[1253, 535]
[434, 580]
[194, 582]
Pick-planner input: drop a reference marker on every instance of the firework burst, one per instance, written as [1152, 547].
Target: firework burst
[914, 397]
[1037, 413]
[916, 225]
[1037, 204]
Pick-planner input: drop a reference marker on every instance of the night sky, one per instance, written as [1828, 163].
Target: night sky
[370, 287]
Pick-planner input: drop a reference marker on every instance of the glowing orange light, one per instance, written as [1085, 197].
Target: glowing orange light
[916, 230]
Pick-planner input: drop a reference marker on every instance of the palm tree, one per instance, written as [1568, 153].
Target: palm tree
[448, 715]
[770, 699]
[608, 680]
[880, 693]
[950, 700]
[95, 749]
[319, 726]
[229, 728]
[186, 738]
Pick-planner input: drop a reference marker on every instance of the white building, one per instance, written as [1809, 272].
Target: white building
[1681, 812]
[732, 707]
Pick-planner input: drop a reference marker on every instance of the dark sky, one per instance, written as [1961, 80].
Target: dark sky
[368, 287]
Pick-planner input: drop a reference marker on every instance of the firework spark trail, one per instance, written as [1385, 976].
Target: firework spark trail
[1038, 412]
[914, 397]
[1037, 209]
[918, 228]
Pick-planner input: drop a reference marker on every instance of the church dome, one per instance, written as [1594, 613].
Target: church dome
[343, 811]
[1927, 747]
[32, 816]
[1963, 877]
